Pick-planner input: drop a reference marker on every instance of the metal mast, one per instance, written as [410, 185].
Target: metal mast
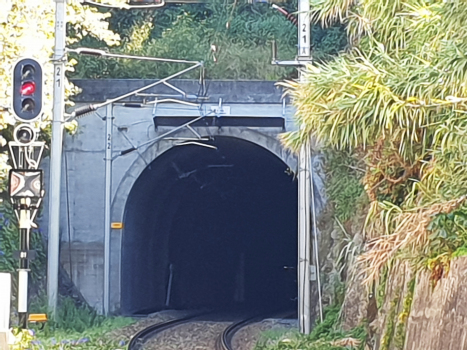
[304, 239]
[56, 157]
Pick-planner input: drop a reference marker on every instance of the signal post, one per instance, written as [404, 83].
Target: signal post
[25, 179]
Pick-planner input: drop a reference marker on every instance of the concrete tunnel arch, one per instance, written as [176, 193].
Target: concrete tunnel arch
[210, 228]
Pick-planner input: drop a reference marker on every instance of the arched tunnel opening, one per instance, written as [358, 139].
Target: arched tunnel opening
[211, 227]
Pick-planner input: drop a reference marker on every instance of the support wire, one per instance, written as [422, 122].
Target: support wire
[315, 235]
[68, 215]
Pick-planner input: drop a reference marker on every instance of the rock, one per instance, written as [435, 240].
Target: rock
[438, 316]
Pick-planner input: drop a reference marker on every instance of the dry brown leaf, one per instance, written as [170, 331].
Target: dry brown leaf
[346, 342]
[410, 232]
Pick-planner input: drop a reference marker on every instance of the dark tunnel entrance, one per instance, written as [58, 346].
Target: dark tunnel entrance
[210, 228]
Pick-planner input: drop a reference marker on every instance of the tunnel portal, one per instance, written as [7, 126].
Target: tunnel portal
[210, 228]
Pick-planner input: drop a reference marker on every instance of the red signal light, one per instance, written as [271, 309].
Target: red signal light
[27, 94]
[28, 88]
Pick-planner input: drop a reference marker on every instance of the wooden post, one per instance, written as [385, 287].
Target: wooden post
[5, 300]
[3, 341]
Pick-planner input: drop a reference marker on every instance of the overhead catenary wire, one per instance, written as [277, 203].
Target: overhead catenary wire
[126, 7]
[287, 15]
[86, 109]
[157, 139]
[70, 260]
[97, 52]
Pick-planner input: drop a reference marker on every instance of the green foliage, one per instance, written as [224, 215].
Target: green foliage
[388, 335]
[27, 30]
[399, 338]
[241, 34]
[397, 97]
[70, 317]
[448, 232]
[9, 243]
[402, 83]
[321, 337]
[9, 238]
[381, 288]
[24, 338]
[395, 331]
[344, 188]
[461, 251]
[102, 336]
[328, 42]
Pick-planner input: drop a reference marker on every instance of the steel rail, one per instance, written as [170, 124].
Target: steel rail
[224, 341]
[139, 339]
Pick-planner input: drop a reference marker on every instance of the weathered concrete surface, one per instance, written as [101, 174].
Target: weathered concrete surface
[439, 316]
[356, 303]
[390, 326]
[82, 211]
[84, 263]
[356, 300]
[436, 319]
[238, 91]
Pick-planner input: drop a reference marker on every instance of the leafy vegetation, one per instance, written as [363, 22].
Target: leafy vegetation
[9, 242]
[397, 99]
[233, 38]
[344, 186]
[27, 30]
[325, 336]
[388, 335]
[70, 316]
[100, 336]
[76, 327]
[402, 318]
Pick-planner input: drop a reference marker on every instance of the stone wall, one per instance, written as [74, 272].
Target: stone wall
[415, 313]
[438, 316]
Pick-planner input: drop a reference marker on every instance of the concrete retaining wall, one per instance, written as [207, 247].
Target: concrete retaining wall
[82, 204]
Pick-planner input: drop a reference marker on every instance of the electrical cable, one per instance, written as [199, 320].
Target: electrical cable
[68, 216]
[149, 143]
[89, 51]
[129, 7]
[31, 162]
[315, 236]
[288, 15]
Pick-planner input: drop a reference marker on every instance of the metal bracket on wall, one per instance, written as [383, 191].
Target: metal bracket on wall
[298, 62]
[313, 275]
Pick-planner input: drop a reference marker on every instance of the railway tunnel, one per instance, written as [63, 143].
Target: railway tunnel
[210, 226]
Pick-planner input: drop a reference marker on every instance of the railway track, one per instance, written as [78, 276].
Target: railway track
[223, 339]
[139, 339]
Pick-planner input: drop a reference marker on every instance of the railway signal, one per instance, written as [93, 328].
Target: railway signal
[25, 186]
[25, 183]
[24, 134]
[27, 90]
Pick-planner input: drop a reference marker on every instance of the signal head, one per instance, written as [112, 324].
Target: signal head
[27, 90]
[24, 134]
